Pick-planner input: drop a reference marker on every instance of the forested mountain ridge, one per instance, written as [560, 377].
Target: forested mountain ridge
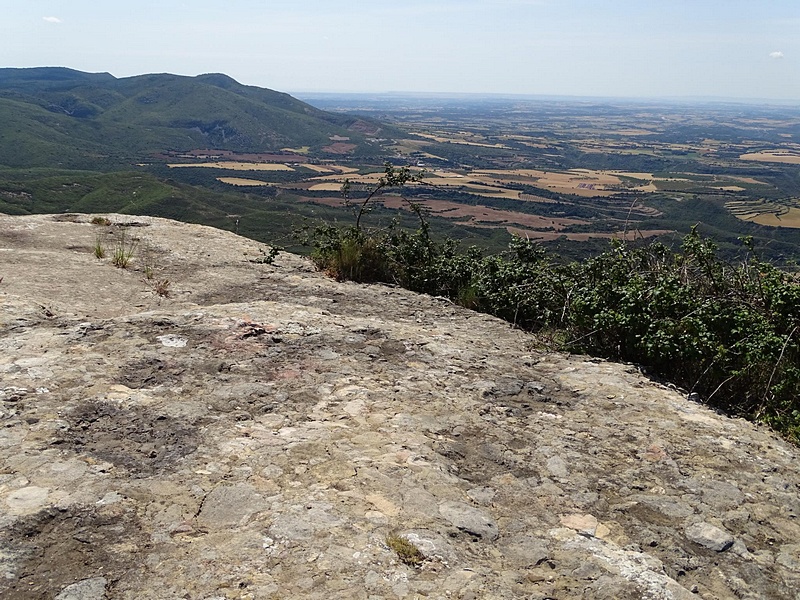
[57, 116]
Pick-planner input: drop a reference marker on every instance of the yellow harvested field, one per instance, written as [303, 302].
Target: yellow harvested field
[369, 178]
[238, 181]
[436, 138]
[729, 188]
[447, 174]
[319, 168]
[339, 169]
[777, 156]
[301, 150]
[457, 140]
[747, 180]
[325, 187]
[646, 176]
[235, 166]
[582, 237]
[489, 191]
[633, 132]
[790, 218]
[482, 215]
[579, 182]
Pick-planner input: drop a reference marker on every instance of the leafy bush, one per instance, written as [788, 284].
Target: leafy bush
[728, 332]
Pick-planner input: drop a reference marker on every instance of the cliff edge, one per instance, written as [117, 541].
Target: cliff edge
[261, 430]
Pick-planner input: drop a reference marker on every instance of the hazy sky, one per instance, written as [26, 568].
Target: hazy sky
[637, 48]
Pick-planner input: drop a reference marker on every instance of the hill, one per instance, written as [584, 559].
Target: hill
[262, 431]
[61, 117]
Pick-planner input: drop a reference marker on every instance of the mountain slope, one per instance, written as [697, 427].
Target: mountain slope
[123, 120]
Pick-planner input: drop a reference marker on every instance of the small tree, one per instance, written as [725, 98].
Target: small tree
[357, 254]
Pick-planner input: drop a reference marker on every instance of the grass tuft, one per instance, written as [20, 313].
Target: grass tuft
[123, 251]
[161, 288]
[407, 552]
[99, 246]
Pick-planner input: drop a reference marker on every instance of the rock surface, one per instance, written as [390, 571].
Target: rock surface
[260, 432]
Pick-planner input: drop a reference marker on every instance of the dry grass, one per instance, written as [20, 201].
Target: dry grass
[161, 288]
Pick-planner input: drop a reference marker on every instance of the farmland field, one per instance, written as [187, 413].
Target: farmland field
[790, 218]
[763, 212]
[238, 181]
[235, 166]
[570, 171]
[791, 158]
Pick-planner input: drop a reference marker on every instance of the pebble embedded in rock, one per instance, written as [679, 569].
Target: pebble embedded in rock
[172, 341]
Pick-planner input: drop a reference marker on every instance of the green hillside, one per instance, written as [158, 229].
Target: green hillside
[60, 117]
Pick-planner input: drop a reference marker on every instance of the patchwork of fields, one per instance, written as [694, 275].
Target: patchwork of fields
[564, 173]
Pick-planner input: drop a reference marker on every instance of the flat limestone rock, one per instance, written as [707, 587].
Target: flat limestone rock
[88, 589]
[263, 430]
[470, 520]
[230, 505]
[710, 536]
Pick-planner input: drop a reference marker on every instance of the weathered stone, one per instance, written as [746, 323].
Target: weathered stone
[583, 523]
[470, 520]
[524, 550]
[88, 589]
[483, 495]
[709, 536]
[27, 500]
[557, 467]
[229, 505]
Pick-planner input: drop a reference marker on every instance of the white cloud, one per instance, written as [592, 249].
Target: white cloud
[777, 54]
[52, 19]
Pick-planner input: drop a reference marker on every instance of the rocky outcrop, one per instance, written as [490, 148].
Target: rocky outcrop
[261, 431]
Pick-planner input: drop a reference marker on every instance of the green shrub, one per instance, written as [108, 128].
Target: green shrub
[406, 551]
[728, 332]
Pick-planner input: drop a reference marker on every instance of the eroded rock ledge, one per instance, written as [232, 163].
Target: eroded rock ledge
[260, 432]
